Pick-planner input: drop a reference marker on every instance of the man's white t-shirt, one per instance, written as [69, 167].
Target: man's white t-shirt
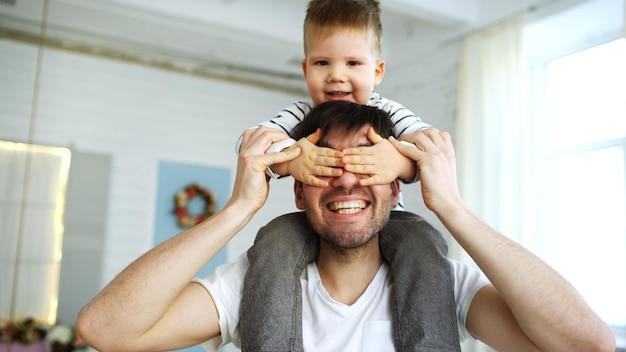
[329, 325]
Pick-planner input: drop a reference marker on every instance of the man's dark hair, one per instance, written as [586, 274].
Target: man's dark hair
[344, 117]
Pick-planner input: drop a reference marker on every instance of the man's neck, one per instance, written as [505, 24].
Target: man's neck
[346, 274]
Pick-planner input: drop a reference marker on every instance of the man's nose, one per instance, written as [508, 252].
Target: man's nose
[346, 180]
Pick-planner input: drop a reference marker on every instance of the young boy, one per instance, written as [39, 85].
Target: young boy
[342, 44]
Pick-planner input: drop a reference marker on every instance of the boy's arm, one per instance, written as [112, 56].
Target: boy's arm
[285, 121]
[404, 120]
[152, 305]
[530, 305]
[406, 126]
[314, 161]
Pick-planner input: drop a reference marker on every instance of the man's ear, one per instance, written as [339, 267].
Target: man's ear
[395, 191]
[297, 190]
[379, 72]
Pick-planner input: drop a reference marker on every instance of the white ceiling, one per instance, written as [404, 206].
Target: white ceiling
[253, 38]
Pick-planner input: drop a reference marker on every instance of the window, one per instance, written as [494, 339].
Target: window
[584, 176]
[33, 179]
[585, 169]
[577, 158]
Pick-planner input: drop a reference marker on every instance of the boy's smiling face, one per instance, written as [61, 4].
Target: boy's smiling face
[342, 65]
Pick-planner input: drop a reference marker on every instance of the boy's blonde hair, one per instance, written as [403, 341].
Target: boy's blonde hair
[323, 16]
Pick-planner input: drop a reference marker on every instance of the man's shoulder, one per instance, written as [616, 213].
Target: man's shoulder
[403, 215]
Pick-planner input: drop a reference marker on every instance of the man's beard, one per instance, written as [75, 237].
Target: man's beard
[349, 237]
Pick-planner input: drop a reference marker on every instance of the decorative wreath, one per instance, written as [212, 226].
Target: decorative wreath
[184, 219]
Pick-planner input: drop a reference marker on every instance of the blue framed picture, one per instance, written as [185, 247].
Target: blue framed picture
[174, 178]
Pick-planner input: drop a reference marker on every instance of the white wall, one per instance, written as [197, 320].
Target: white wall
[427, 85]
[138, 115]
[141, 115]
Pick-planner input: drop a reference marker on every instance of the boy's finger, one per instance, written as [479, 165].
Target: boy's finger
[357, 151]
[358, 168]
[330, 161]
[316, 182]
[315, 136]
[374, 180]
[329, 152]
[327, 171]
[373, 136]
[357, 160]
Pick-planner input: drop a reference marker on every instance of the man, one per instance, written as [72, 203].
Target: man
[526, 306]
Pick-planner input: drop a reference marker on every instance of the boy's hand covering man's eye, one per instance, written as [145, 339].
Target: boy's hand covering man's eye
[382, 161]
[315, 161]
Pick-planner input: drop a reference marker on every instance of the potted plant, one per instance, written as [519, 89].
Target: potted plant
[63, 338]
[22, 335]
[31, 335]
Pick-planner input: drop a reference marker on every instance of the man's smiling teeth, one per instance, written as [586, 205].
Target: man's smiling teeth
[349, 207]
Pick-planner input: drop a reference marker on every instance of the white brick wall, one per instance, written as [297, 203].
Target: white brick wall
[140, 115]
[428, 86]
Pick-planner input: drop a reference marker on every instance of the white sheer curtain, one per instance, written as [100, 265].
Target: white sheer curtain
[33, 180]
[490, 132]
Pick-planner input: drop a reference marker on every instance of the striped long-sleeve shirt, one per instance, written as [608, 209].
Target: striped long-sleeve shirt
[404, 121]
